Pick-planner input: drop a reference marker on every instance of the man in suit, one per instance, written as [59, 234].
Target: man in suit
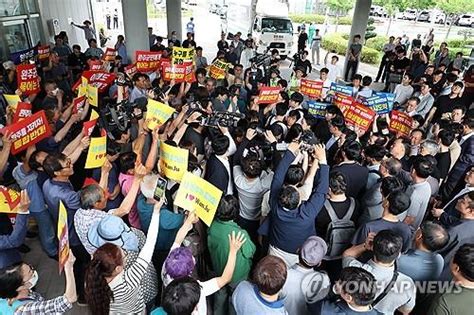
[336, 125]
[219, 168]
[465, 160]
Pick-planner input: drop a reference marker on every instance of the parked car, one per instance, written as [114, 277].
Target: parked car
[376, 10]
[409, 14]
[438, 17]
[424, 16]
[466, 20]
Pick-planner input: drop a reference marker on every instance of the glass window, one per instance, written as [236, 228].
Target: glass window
[31, 6]
[35, 30]
[15, 35]
[11, 7]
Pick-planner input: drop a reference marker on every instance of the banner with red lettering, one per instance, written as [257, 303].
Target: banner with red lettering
[23, 110]
[218, 69]
[99, 79]
[400, 123]
[29, 131]
[109, 54]
[130, 70]
[342, 101]
[88, 127]
[178, 73]
[28, 80]
[43, 52]
[268, 95]
[78, 103]
[360, 116]
[147, 61]
[310, 88]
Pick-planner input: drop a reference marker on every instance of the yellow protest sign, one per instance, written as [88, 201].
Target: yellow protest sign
[173, 161]
[94, 115]
[97, 152]
[196, 194]
[82, 90]
[9, 200]
[218, 69]
[12, 99]
[182, 55]
[63, 236]
[157, 113]
[93, 95]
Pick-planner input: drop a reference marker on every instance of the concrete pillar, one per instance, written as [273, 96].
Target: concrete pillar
[173, 17]
[135, 25]
[359, 24]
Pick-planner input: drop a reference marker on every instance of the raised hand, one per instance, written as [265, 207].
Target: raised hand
[236, 241]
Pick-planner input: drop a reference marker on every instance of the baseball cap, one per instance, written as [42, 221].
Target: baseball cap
[112, 229]
[313, 250]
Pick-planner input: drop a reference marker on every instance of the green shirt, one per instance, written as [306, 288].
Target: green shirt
[453, 303]
[218, 244]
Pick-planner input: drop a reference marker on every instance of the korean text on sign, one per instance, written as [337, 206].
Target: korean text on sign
[147, 61]
[28, 80]
[310, 88]
[268, 95]
[400, 123]
[360, 116]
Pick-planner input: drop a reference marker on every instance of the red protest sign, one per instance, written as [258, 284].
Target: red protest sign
[130, 70]
[268, 95]
[99, 79]
[400, 123]
[43, 52]
[147, 61]
[28, 80]
[342, 101]
[178, 73]
[310, 88]
[78, 103]
[29, 131]
[23, 110]
[88, 127]
[95, 65]
[109, 54]
[360, 116]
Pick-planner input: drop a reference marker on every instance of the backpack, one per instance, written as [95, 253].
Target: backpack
[340, 231]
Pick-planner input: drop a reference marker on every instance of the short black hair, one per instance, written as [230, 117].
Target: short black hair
[360, 284]
[11, 279]
[446, 136]
[52, 163]
[297, 97]
[375, 151]
[220, 144]
[391, 185]
[295, 113]
[32, 161]
[464, 258]
[220, 90]
[127, 161]
[387, 246]
[281, 109]
[228, 208]
[398, 202]
[435, 236]
[294, 175]
[334, 110]
[366, 80]
[357, 77]
[310, 119]
[324, 70]
[337, 122]
[252, 166]
[337, 182]
[414, 98]
[181, 296]
[289, 197]
[422, 166]
[352, 150]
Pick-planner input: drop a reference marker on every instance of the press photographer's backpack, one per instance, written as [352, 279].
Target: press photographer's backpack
[340, 231]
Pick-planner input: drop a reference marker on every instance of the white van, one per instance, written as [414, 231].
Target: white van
[466, 20]
[410, 14]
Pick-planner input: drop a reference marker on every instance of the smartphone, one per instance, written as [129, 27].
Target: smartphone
[160, 189]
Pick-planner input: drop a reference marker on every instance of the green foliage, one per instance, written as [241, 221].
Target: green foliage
[340, 5]
[377, 42]
[336, 42]
[369, 33]
[455, 6]
[318, 19]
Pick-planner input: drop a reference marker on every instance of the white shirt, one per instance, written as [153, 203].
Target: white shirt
[331, 141]
[334, 72]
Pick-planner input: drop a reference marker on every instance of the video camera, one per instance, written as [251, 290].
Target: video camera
[118, 115]
[308, 139]
[224, 119]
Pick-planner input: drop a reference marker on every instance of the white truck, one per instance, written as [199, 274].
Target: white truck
[271, 27]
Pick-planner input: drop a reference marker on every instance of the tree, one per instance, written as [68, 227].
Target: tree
[454, 8]
[392, 7]
[340, 6]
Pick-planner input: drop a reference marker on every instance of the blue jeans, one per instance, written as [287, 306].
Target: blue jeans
[46, 232]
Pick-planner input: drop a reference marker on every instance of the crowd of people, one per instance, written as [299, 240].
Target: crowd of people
[317, 216]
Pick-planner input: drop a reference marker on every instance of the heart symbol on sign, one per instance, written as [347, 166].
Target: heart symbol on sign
[190, 197]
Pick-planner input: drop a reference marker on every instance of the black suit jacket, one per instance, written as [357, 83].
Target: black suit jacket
[216, 173]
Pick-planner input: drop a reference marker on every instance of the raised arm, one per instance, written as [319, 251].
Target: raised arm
[282, 168]
[129, 200]
[235, 243]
